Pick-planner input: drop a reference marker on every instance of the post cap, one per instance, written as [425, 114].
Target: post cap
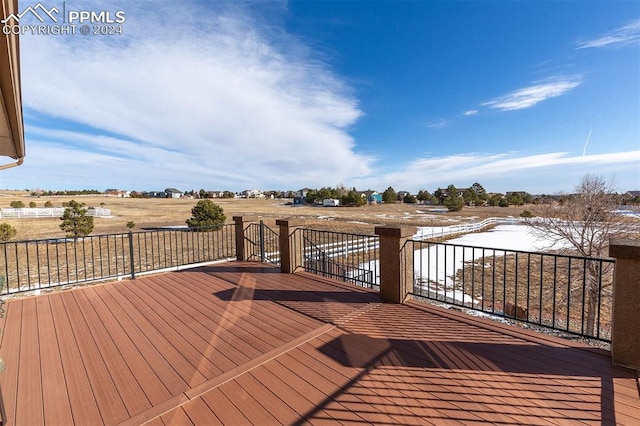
[396, 231]
[624, 248]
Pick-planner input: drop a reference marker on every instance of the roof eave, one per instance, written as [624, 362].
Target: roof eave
[11, 119]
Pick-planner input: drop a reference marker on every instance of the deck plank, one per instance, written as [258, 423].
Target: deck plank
[119, 368]
[159, 337]
[199, 413]
[201, 368]
[204, 328]
[175, 417]
[141, 371]
[11, 334]
[227, 412]
[29, 404]
[105, 391]
[57, 407]
[140, 338]
[81, 397]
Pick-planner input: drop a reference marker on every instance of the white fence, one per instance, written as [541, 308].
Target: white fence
[425, 232]
[366, 243]
[47, 212]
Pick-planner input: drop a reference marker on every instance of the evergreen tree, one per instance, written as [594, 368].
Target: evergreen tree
[75, 221]
[470, 197]
[423, 195]
[206, 214]
[440, 195]
[495, 200]
[7, 232]
[353, 198]
[389, 196]
[454, 202]
[409, 199]
[480, 192]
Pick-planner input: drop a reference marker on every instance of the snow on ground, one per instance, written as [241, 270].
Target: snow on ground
[437, 265]
[509, 237]
[628, 213]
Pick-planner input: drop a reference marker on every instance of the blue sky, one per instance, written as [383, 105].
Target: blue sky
[284, 95]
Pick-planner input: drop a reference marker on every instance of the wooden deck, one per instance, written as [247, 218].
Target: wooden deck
[240, 343]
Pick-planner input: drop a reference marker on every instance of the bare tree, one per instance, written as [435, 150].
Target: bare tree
[586, 221]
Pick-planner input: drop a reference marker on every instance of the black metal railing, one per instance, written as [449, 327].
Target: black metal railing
[262, 242]
[38, 264]
[351, 258]
[567, 293]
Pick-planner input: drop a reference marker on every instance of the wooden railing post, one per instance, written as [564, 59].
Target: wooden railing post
[243, 251]
[291, 247]
[625, 333]
[396, 263]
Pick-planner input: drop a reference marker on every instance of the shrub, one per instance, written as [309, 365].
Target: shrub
[206, 213]
[48, 204]
[526, 214]
[409, 199]
[32, 204]
[75, 220]
[17, 204]
[7, 232]
[454, 204]
[131, 224]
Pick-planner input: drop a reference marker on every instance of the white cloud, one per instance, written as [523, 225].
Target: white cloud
[439, 124]
[626, 34]
[536, 93]
[470, 112]
[213, 98]
[502, 172]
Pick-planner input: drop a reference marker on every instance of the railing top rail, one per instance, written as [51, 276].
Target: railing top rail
[63, 239]
[341, 233]
[506, 250]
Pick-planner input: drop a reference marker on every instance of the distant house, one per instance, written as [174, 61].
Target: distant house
[522, 194]
[402, 194]
[173, 193]
[461, 191]
[114, 192]
[302, 193]
[632, 194]
[252, 193]
[372, 197]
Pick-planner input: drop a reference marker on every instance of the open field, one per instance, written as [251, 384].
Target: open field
[156, 212]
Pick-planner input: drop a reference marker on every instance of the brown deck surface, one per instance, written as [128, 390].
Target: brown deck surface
[240, 343]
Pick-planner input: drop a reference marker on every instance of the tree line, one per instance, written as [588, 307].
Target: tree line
[451, 197]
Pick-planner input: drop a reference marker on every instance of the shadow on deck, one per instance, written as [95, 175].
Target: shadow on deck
[240, 343]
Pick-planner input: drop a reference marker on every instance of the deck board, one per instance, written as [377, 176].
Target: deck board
[83, 403]
[53, 378]
[240, 343]
[160, 339]
[29, 396]
[104, 389]
[119, 368]
[139, 339]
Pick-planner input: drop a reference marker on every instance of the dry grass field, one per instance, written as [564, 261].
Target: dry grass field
[163, 212]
